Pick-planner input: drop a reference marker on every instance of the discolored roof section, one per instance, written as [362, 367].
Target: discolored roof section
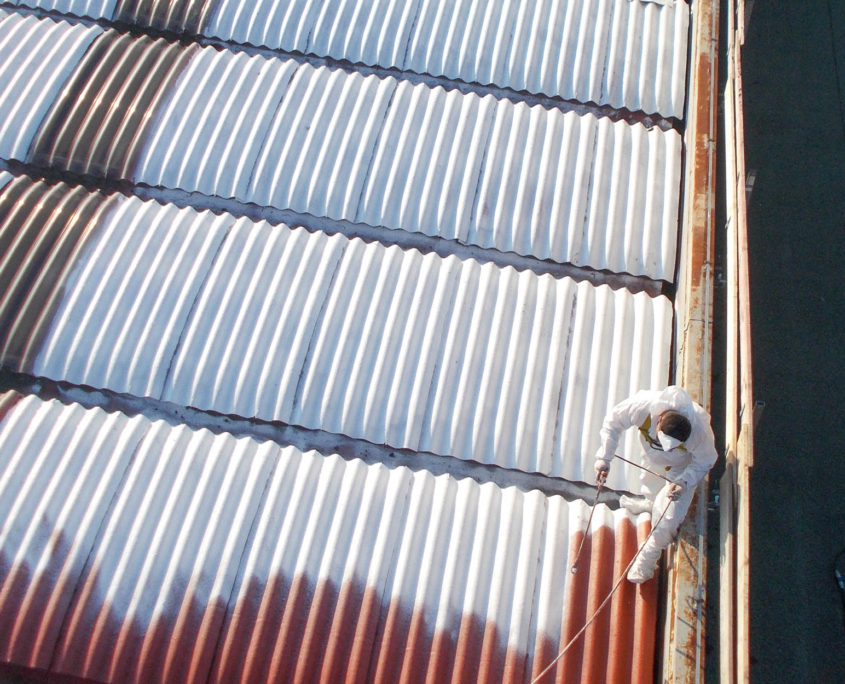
[200, 557]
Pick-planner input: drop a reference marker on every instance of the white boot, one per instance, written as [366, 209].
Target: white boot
[635, 505]
[639, 574]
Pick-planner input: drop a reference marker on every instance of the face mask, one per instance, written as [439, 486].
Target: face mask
[668, 443]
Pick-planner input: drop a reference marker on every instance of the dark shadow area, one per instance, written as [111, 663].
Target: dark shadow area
[795, 142]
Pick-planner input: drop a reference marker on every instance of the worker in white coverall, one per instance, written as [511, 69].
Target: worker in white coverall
[678, 443]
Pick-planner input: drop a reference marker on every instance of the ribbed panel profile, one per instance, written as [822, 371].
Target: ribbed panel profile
[97, 125]
[43, 230]
[179, 16]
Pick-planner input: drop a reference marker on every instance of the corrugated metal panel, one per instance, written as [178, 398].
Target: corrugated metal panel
[43, 229]
[98, 124]
[81, 8]
[36, 58]
[619, 647]
[128, 299]
[198, 556]
[416, 351]
[266, 291]
[613, 355]
[581, 190]
[208, 135]
[627, 54]
[425, 171]
[330, 143]
[5, 177]
[391, 346]
[59, 469]
[464, 598]
[319, 148]
[153, 597]
[180, 16]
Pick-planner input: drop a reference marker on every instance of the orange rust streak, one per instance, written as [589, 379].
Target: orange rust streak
[568, 668]
[645, 623]
[597, 636]
[623, 608]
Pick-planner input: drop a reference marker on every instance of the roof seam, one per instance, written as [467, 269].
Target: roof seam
[449, 84]
[304, 439]
[421, 242]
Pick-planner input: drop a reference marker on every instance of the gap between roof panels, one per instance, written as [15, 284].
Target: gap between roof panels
[303, 439]
[421, 242]
[581, 108]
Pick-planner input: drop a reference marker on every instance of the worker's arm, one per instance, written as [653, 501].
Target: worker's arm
[629, 413]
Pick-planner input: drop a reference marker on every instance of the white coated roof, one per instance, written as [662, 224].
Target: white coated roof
[374, 342]
[628, 54]
[143, 552]
[538, 182]
[563, 186]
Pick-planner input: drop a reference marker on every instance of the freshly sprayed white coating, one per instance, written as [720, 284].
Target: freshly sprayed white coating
[169, 551]
[36, 58]
[626, 54]
[253, 325]
[211, 143]
[425, 169]
[318, 149]
[60, 466]
[416, 351]
[587, 191]
[329, 143]
[5, 177]
[608, 364]
[96, 9]
[394, 347]
[128, 299]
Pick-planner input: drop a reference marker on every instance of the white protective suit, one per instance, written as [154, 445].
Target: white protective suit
[684, 466]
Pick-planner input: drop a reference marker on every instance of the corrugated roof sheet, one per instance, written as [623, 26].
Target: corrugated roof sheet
[198, 553]
[99, 124]
[628, 54]
[5, 177]
[374, 342]
[36, 58]
[321, 141]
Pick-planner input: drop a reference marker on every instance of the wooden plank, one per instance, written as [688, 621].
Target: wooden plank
[727, 485]
[683, 646]
[745, 447]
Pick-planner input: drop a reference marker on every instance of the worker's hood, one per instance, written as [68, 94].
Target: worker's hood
[675, 398]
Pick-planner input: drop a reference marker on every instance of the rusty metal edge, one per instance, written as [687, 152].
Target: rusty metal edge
[682, 657]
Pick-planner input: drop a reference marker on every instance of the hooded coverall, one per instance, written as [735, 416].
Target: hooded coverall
[684, 466]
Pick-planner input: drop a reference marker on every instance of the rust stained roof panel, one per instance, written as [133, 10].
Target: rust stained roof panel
[197, 553]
